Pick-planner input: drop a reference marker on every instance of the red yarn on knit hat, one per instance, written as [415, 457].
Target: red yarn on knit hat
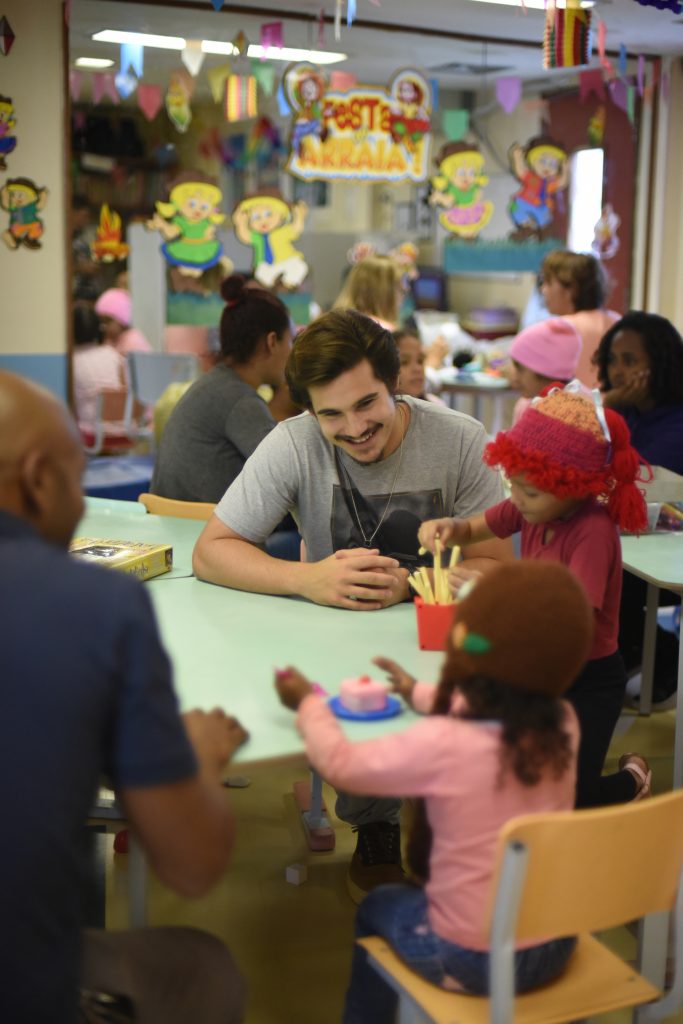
[560, 446]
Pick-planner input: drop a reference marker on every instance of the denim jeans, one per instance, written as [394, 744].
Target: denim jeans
[399, 914]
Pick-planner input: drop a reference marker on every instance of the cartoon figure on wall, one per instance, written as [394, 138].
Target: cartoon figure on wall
[542, 170]
[8, 140]
[269, 225]
[108, 245]
[409, 119]
[458, 189]
[606, 240]
[306, 95]
[23, 200]
[188, 224]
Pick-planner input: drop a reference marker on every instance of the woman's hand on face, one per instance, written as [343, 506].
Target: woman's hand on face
[635, 391]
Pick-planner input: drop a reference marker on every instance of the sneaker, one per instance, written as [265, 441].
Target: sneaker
[376, 859]
[663, 694]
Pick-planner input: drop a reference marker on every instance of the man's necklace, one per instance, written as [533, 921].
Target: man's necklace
[367, 541]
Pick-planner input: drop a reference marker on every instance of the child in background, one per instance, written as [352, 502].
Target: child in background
[115, 311]
[499, 742]
[545, 352]
[572, 474]
[96, 366]
[374, 286]
[411, 379]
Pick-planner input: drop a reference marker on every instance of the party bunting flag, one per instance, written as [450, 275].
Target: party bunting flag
[591, 82]
[125, 84]
[217, 4]
[193, 56]
[150, 100]
[342, 81]
[240, 44]
[103, 84]
[271, 37]
[631, 103]
[618, 90]
[622, 60]
[132, 56]
[641, 74]
[7, 36]
[350, 12]
[602, 39]
[240, 97]
[217, 77]
[337, 20]
[455, 124]
[264, 73]
[509, 92]
[434, 86]
[75, 83]
[282, 102]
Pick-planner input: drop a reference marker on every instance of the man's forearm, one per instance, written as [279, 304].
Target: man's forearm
[243, 566]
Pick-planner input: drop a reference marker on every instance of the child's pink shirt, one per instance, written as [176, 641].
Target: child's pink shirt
[455, 765]
[588, 544]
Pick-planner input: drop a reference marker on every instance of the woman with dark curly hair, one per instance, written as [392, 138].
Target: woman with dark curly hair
[640, 370]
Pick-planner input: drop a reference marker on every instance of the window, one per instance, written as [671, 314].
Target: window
[585, 198]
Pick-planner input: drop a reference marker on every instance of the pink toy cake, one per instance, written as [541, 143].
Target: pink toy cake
[363, 694]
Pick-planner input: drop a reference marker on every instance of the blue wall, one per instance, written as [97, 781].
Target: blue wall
[48, 370]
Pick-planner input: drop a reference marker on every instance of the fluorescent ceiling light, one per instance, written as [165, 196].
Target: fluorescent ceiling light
[93, 62]
[286, 53]
[536, 5]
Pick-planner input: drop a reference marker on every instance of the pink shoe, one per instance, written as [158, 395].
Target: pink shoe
[641, 772]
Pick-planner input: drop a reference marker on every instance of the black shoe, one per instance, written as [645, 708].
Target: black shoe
[376, 859]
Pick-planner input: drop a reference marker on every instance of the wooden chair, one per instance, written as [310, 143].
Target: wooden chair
[159, 506]
[570, 874]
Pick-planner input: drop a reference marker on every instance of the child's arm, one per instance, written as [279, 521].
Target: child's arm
[454, 531]
[419, 695]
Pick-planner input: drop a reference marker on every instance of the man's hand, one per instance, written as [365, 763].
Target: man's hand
[449, 531]
[215, 737]
[635, 391]
[355, 579]
[401, 681]
[291, 687]
[458, 576]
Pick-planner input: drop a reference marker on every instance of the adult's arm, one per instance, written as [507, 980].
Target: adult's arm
[187, 828]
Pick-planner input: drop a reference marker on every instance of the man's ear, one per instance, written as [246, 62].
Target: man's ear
[34, 474]
[271, 342]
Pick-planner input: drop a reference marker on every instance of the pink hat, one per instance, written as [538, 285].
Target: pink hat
[550, 348]
[115, 302]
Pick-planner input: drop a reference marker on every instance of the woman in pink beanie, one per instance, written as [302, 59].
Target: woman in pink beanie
[541, 354]
[114, 309]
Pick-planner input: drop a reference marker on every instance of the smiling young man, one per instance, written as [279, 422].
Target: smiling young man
[359, 472]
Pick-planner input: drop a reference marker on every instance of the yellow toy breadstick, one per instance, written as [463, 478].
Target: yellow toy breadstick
[429, 593]
[455, 555]
[438, 572]
[417, 585]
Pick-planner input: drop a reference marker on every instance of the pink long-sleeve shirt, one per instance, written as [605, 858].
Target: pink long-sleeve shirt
[454, 763]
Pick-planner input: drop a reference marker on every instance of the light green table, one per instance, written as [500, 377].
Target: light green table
[657, 558]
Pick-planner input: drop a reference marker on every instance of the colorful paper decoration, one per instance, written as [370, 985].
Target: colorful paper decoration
[591, 82]
[606, 241]
[542, 170]
[618, 91]
[271, 37]
[23, 200]
[567, 34]
[75, 83]
[264, 73]
[108, 245]
[455, 124]
[7, 36]
[188, 222]
[217, 4]
[622, 60]
[350, 12]
[193, 56]
[342, 81]
[268, 224]
[240, 98]
[104, 84]
[406, 255]
[663, 5]
[641, 74]
[458, 190]
[369, 133]
[217, 77]
[125, 84]
[8, 140]
[150, 100]
[178, 100]
[596, 126]
[240, 44]
[509, 92]
[602, 40]
[132, 56]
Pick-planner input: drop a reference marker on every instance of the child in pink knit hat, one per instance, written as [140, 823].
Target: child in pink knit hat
[542, 353]
[114, 309]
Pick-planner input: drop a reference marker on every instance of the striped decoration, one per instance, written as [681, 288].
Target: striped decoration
[567, 37]
[240, 97]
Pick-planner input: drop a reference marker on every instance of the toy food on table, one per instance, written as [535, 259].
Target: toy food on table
[363, 694]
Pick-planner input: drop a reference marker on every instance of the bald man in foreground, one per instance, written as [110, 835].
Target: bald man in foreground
[87, 692]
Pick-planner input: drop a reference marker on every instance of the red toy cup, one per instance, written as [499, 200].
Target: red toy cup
[434, 623]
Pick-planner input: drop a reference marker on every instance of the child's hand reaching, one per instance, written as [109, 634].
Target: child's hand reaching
[292, 687]
[458, 577]
[401, 682]
[449, 531]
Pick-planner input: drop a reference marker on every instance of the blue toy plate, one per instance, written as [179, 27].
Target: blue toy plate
[394, 707]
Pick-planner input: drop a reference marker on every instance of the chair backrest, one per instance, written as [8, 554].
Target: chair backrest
[112, 406]
[150, 373]
[159, 506]
[590, 870]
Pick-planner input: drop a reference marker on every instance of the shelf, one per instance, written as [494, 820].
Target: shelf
[500, 257]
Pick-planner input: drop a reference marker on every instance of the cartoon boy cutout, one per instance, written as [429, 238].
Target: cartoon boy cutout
[542, 170]
[8, 141]
[22, 198]
[458, 190]
[269, 225]
[308, 93]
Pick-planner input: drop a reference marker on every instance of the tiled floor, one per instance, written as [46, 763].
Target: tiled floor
[293, 943]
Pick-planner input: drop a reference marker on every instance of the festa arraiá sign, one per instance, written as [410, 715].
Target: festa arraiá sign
[366, 133]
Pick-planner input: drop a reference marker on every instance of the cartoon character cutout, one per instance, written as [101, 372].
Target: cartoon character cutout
[606, 240]
[458, 190]
[542, 171]
[188, 222]
[108, 245]
[269, 225]
[8, 140]
[23, 200]
[409, 118]
[306, 93]
[178, 100]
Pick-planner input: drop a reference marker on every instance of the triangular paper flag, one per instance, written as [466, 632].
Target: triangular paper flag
[192, 56]
[641, 74]
[434, 86]
[342, 81]
[125, 85]
[217, 77]
[150, 100]
[455, 124]
[282, 104]
[240, 44]
[350, 11]
[264, 73]
[622, 60]
[75, 83]
[591, 82]
[217, 4]
[509, 92]
[618, 93]
[132, 56]
[271, 37]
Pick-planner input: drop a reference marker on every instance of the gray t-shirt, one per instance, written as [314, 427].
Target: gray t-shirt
[210, 434]
[294, 470]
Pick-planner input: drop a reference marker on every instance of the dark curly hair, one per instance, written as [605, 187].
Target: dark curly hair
[664, 347]
[250, 313]
[533, 737]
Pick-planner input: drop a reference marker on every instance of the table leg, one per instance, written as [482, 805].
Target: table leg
[309, 797]
[649, 644]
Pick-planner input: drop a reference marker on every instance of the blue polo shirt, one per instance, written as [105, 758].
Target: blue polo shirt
[86, 693]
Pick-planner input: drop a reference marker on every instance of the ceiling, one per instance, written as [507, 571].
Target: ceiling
[384, 36]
